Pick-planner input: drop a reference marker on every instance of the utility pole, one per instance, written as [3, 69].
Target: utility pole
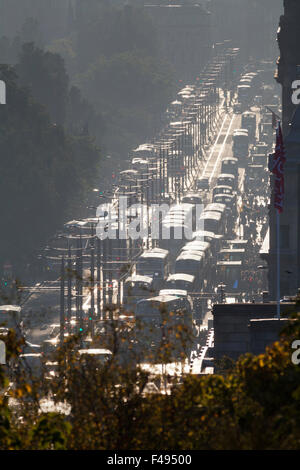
[69, 296]
[92, 310]
[221, 292]
[98, 277]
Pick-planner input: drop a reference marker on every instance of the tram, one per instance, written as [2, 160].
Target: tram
[136, 287]
[181, 281]
[155, 264]
[166, 321]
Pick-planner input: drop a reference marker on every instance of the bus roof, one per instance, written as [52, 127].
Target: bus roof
[187, 255]
[153, 254]
[175, 292]
[231, 159]
[223, 186]
[29, 355]
[10, 308]
[237, 241]
[226, 175]
[229, 263]
[196, 245]
[211, 215]
[215, 207]
[181, 277]
[129, 172]
[239, 132]
[191, 194]
[249, 114]
[95, 351]
[163, 298]
[200, 234]
[232, 250]
[139, 278]
[219, 197]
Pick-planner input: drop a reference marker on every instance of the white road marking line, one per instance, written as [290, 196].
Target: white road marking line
[222, 149]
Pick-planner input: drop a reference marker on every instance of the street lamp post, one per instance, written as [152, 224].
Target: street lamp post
[92, 310]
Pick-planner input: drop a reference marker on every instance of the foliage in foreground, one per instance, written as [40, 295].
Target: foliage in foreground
[255, 405]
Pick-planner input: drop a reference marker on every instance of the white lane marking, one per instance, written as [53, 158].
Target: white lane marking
[221, 149]
[213, 147]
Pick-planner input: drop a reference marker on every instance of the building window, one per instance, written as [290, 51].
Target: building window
[284, 236]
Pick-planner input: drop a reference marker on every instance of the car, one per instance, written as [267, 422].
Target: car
[222, 189]
[203, 183]
[225, 179]
[192, 198]
[237, 108]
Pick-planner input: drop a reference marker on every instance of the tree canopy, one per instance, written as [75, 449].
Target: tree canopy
[44, 172]
[113, 57]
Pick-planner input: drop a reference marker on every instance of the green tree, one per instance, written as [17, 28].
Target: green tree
[44, 172]
[45, 75]
[253, 406]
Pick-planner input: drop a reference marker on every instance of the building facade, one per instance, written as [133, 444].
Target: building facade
[288, 72]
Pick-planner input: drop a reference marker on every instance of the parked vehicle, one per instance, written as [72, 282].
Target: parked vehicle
[240, 146]
[244, 92]
[203, 183]
[222, 189]
[225, 179]
[230, 166]
[237, 107]
[213, 222]
[228, 199]
[249, 123]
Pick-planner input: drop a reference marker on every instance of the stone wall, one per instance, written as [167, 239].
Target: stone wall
[232, 335]
[264, 332]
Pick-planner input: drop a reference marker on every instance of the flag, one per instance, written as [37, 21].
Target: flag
[275, 118]
[278, 161]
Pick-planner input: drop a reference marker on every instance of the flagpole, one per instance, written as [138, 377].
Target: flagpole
[277, 169]
[278, 262]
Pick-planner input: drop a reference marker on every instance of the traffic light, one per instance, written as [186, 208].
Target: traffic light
[4, 283]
